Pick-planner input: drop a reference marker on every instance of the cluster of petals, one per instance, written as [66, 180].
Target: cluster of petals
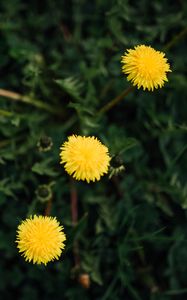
[145, 67]
[40, 239]
[85, 158]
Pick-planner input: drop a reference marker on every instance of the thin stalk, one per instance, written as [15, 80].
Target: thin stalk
[74, 208]
[120, 97]
[116, 100]
[5, 113]
[74, 215]
[48, 207]
[175, 39]
[26, 99]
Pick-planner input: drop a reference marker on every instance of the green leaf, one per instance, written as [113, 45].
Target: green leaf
[72, 86]
[44, 168]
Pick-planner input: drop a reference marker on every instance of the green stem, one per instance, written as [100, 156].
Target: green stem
[26, 99]
[5, 113]
[74, 216]
[110, 288]
[120, 97]
[116, 100]
[175, 39]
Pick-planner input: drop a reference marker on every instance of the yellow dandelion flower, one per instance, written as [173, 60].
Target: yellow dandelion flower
[145, 67]
[85, 158]
[40, 239]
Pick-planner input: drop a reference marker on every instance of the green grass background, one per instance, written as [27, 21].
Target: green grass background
[64, 56]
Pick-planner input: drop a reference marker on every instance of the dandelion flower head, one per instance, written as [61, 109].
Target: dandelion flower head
[85, 158]
[40, 239]
[145, 67]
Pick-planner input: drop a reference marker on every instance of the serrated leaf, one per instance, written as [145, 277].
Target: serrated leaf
[71, 86]
[80, 108]
[44, 168]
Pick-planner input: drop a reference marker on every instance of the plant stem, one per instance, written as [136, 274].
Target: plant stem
[26, 99]
[120, 97]
[74, 212]
[48, 208]
[5, 113]
[175, 39]
[116, 100]
[74, 215]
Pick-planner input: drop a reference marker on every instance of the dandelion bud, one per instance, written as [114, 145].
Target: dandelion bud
[84, 280]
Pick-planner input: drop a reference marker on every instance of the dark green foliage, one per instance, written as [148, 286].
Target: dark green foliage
[64, 56]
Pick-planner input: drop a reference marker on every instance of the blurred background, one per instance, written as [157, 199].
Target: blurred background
[59, 65]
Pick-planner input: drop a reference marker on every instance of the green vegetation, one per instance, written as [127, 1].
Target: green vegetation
[60, 65]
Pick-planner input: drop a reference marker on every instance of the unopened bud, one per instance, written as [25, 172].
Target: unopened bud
[84, 280]
[43, 193]
[45, 144]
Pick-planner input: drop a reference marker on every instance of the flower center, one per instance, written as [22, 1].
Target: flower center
[148, 66]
